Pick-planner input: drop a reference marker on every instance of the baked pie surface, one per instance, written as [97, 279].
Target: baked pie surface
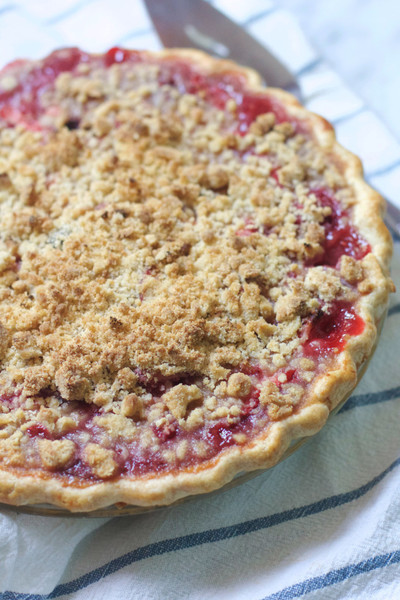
[191, 272]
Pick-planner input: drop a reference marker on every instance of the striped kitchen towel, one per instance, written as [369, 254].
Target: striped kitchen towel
[323, 524]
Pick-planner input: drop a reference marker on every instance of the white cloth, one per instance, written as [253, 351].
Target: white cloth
[323, 524]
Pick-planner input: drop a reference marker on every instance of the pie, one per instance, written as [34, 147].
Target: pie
[192, 272]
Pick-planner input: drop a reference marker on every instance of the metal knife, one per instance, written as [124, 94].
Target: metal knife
[196, 24]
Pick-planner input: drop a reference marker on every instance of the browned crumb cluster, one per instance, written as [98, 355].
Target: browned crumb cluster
[151, 242]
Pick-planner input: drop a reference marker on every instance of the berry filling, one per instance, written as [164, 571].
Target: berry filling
[329, 331]
[22, 103]
[341, 237]
[39, 431]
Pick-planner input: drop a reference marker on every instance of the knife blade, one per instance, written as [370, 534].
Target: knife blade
[197, 24]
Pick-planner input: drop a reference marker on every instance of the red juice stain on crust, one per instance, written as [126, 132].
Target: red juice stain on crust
[136, 465]
[329, 331]
[341, 237]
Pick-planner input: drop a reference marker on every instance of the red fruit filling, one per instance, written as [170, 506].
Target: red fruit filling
[81, 470]
[341, 237]
[275, 175]
[249, 228]
[118, 55]
[291, 375]
[21, 104]
[220, 436]
[39, 430]
[328, 331]
[166, 432]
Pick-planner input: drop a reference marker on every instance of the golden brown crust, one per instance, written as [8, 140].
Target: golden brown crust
[76, 379]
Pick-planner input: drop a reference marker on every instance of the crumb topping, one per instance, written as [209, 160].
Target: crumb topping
[159, 269]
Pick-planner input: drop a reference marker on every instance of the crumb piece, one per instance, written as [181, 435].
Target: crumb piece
[4, 341]
[116, 426]
[239, 385]
[211, 403]
[262, 124]
[290, 305]
[306, 363]
[220, 412]
[277, 412]
[179, 397]
[263, 329]
[126, 378]
[132, 407]
[56, 454]
[350, 269]
[365, 287]
[324, 282]
[182, 449]
[100, 460]
[269, 393]
[216, 177]
[71, 384]
[200, 448]
[37, 378]
[240, 438]
[64, 425]
[195, 419]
